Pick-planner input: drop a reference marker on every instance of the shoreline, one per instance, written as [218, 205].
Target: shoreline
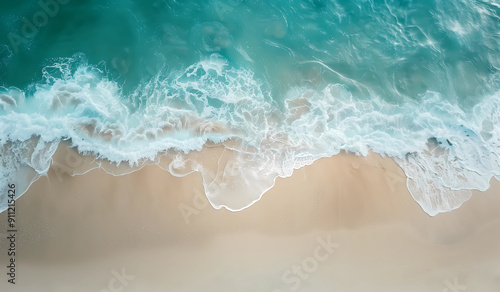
[96, 223]
[218, 165]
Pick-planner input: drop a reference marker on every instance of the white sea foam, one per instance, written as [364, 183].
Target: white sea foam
[445, 151]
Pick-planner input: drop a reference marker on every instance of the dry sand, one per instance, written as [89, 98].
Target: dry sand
[80, 233]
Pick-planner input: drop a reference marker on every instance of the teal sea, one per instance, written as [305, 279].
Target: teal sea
[281, 83]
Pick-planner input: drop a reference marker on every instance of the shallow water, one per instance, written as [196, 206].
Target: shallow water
[282, 84]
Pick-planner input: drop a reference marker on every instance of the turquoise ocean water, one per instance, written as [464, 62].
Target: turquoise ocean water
[289, 81]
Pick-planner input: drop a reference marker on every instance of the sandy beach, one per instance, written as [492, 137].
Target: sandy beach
[344, 223]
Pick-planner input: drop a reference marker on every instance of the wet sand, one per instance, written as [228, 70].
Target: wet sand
[344, 223]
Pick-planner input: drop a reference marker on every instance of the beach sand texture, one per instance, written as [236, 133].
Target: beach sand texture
[344, 223]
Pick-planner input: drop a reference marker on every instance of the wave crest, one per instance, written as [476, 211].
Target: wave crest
[445, 151]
